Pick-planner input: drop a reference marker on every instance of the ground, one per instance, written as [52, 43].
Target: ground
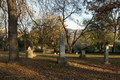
[44, 67]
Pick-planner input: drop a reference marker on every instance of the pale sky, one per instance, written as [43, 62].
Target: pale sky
[69, 23]
[73, 25]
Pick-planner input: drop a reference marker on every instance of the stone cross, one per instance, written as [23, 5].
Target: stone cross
[62, 45]
[82, 55]
[61, 59]
[106, 53]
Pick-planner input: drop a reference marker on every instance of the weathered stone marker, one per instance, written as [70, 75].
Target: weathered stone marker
[54, 53]
[82, 55]
[76, 52]
[62, 45]
[106, 53]
[30, 53]
[61, 59]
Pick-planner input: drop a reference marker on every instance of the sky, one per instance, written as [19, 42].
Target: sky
[72, 25]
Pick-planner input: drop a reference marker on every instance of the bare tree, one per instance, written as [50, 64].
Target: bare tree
[5, 19]
[23, 20]
[46, 21]
[66, 9]
[45, 28]
[23, 28]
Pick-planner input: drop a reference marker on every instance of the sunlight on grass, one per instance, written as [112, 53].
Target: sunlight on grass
[44, 67]
[91, 68]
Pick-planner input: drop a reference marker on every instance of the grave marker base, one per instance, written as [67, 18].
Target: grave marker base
[62, 60]
[82, 56]
[106, 63]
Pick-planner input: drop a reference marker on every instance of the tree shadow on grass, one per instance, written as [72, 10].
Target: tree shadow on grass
[98, 62]
[52, 71]
[50, 56]
[4, 58]
[92, 62]
[45, 67]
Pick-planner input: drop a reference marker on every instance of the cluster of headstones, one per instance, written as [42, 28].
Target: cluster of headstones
[62, 59]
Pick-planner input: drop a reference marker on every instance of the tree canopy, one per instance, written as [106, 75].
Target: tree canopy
[46, 19]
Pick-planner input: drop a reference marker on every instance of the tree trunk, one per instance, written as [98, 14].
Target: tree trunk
[114, 42]
[13, 43]
[41, 45]
[69, 49]
[25, 44]
[98, 46]
[6, 37]
[101, 46]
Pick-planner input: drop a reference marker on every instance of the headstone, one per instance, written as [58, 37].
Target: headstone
[76, 52]
[106, 53]
[54, 53]
[61, 59]
[82, 55]
[30, 53]
[48, 50]
[62, 46]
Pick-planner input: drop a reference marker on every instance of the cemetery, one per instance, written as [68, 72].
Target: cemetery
[59, 39]
[62, 66]
[44, 67]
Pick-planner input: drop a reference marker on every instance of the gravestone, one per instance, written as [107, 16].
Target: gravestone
[30, 53]
[82, 55]
[106, 53]
[62, 59]
[76, 52]
[54, 53]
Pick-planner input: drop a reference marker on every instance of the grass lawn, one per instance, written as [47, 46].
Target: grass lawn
[44, 67]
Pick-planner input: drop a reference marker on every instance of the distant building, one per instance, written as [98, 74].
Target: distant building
[89, 47]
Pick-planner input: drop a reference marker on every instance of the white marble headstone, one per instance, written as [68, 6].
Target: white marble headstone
[30, 53]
